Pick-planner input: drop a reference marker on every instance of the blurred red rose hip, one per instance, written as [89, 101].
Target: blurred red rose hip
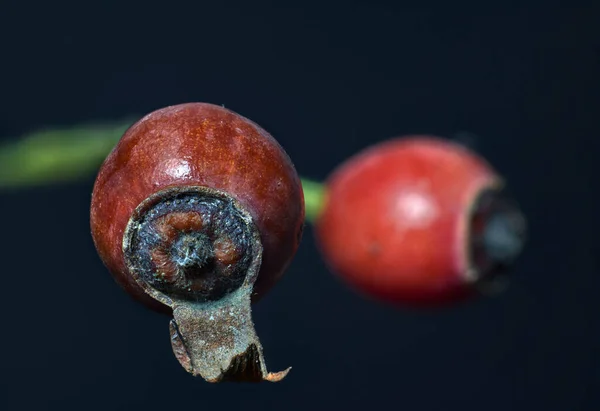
[418, 221]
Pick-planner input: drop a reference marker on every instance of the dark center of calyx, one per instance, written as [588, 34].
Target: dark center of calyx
[192, 250]
[497, 234]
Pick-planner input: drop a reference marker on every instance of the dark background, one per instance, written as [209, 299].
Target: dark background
[326, 79]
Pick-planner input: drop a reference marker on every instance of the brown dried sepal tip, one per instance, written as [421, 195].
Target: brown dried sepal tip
[204, 344]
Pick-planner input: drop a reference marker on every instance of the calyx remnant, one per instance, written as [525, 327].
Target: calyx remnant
[198, 251]
[498, 231]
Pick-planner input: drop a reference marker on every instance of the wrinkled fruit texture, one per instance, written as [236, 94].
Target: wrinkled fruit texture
[199, 144]
[396, 219]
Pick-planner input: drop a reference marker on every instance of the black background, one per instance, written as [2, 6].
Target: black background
[326, 79]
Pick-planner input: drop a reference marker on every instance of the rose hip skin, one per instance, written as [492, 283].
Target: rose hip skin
[199, 144]
[418, 221]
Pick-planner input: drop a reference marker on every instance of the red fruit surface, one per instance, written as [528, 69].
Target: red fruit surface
[395, 224]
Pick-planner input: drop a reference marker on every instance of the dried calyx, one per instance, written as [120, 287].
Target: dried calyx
[198, 251]
[497, 237]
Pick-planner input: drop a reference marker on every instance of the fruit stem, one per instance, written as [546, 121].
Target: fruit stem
[74, 153]
[57, 155]
[314, 196]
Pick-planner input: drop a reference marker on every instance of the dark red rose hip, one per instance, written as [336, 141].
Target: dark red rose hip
[197, 211]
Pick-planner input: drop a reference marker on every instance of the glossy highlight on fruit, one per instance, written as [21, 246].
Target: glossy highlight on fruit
[419, 221]
[196, 211]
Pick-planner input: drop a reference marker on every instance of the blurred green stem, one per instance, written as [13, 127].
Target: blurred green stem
[314, 197]
[75, 153]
